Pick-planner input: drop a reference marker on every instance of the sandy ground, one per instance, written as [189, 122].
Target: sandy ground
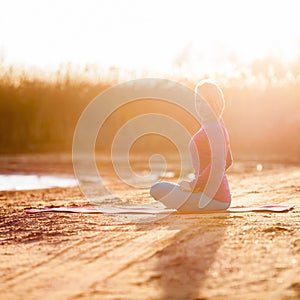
[212, 256]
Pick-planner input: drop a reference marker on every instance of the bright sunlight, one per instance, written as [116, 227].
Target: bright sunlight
[115, 183]
[149, 35]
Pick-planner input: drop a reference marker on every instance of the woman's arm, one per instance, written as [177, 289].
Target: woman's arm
[185, 186]
[198, 184]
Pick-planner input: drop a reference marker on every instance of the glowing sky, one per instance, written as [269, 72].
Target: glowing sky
[147, 34]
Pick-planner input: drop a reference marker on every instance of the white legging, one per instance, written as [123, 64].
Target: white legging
[172, 196]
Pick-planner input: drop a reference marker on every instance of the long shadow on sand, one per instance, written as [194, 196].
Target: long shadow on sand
[182, 266]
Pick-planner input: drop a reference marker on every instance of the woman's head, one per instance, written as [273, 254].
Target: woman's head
[212, 94]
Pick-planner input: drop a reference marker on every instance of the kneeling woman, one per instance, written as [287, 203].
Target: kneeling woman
[189, 196]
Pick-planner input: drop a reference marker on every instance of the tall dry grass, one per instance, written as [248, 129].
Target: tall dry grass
[262, 114]
[40, 115]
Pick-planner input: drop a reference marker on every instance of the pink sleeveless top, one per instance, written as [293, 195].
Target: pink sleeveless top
[199, 147]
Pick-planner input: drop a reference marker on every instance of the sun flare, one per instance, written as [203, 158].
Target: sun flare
[144, 35]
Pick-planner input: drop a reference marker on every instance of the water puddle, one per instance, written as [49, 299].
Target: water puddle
[34, 182]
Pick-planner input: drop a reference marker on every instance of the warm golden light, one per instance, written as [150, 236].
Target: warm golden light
[201, 36]
[250, 47]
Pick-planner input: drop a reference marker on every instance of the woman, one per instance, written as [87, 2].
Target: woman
[209, 191]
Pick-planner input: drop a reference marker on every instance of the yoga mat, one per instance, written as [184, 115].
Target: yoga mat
[154, 210]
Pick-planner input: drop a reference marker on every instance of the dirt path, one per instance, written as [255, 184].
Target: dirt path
[73, 256]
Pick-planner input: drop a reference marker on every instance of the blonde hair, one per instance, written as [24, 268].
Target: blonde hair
[213, 95]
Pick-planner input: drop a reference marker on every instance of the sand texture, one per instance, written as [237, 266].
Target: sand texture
[219, 256]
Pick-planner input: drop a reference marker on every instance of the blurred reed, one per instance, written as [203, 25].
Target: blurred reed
[38, 113]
